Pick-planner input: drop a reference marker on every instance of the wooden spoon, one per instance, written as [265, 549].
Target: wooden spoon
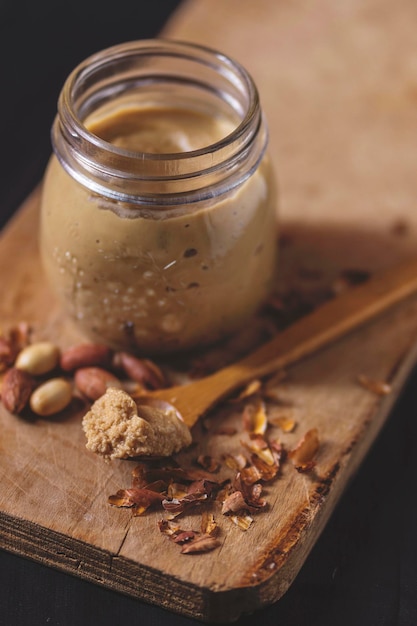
[315, 330]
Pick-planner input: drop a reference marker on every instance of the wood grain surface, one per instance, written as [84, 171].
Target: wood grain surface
[337, 83]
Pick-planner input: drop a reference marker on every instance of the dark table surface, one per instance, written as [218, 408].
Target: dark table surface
[363, 569]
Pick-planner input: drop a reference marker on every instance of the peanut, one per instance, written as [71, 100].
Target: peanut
[51, 397]
[85, 355]
[93, 382]
[38, 358]
[16, 390]
[7, 353]
[141, 370]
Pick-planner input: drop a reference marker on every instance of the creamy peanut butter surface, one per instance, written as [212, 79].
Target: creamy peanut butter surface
[159, 281]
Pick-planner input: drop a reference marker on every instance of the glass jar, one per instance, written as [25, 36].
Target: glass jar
[158, 221]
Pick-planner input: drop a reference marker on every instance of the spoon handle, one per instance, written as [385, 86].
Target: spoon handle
[327, 323]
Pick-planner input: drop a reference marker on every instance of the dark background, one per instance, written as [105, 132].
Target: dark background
[363, 570]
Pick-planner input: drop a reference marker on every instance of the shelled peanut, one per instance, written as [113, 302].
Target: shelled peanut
[44, 378]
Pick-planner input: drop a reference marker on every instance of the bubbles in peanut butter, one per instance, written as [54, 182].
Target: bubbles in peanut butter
[148, 302]
[141, 302]
[127, 300]
[171, 323]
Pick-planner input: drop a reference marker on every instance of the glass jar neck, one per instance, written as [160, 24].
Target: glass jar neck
[159, 73]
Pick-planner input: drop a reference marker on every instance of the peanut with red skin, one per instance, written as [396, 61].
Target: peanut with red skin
[85, 355]
[8, 353]
[16, 390]
[140, 370]
[93, 382]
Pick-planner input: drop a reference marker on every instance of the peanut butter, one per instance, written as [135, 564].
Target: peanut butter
[118, 428]
[159, 280]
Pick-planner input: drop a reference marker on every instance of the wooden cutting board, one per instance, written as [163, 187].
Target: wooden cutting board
[339, 88]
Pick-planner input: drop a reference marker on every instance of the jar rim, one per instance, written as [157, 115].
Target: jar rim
[160, 47]
[134, 176]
